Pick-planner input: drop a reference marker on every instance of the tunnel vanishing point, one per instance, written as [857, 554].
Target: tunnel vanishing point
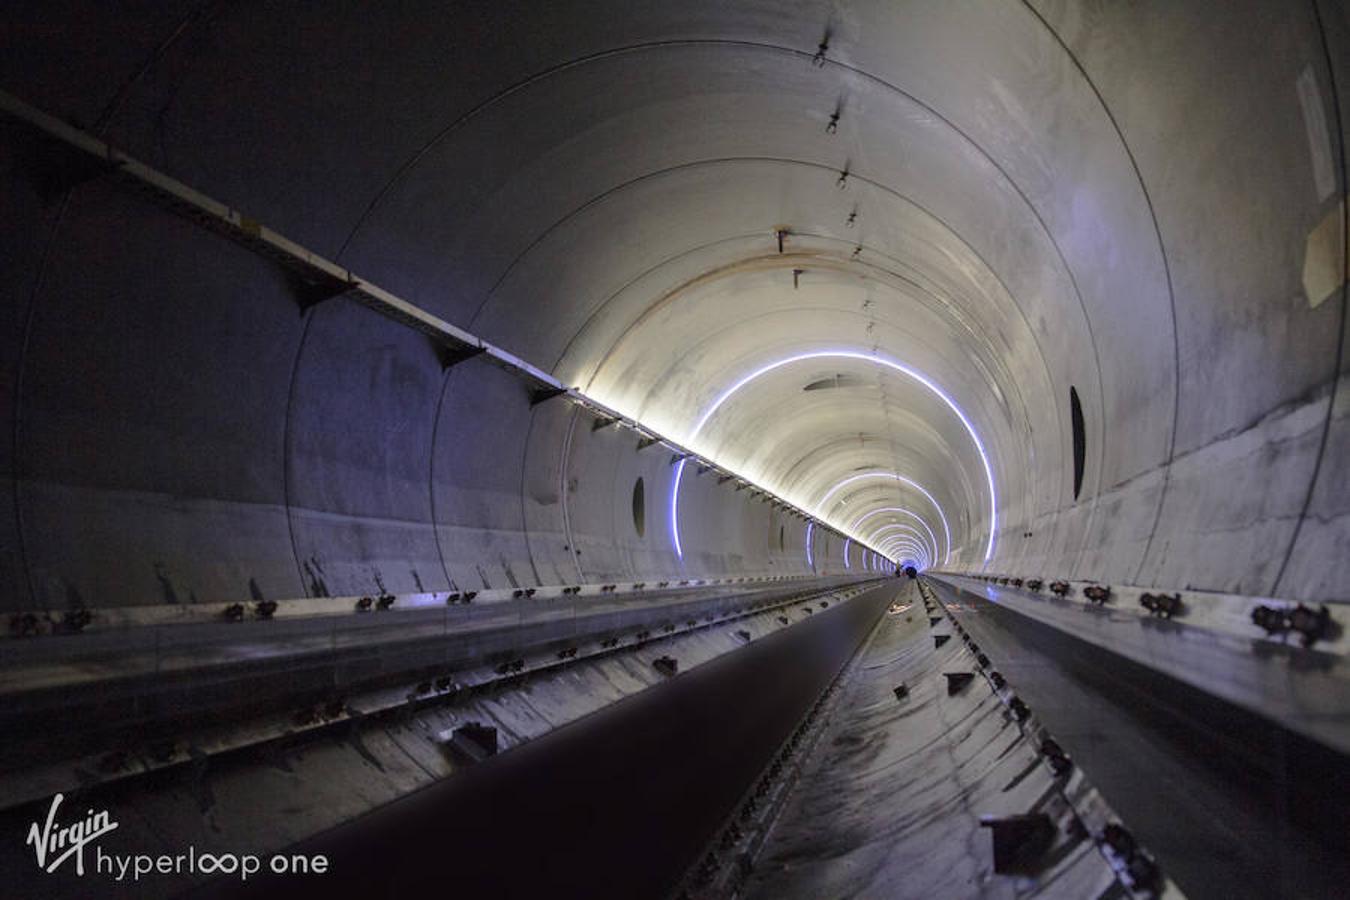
[700, 449]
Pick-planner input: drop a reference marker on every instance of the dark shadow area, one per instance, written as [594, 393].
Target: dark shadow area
[617, 805]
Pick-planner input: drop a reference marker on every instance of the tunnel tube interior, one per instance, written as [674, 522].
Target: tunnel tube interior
[816, 244]
[1041, 288]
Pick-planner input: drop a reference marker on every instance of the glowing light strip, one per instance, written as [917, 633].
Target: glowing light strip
[901, 551]
[890, 363]
[910, 536]
[846, 543]
[905, 529]
[914, 549]
[908, 549]
[946, 531]
[876, 512]
[868, 358]
[809, 560]
[675, 511]
[905, 543]
[895, 551]
[889, 547]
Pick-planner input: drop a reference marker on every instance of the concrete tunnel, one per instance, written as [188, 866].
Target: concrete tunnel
[695, 450]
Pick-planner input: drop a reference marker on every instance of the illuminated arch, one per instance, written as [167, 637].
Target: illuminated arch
[904, 528]
[863, 357]
[898, 509]
[900, 543]
[946, 531]
[908, 551]
[907, 544]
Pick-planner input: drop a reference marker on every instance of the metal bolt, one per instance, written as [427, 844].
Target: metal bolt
[1059, 760]
[76, 620]
[1119, 839]
[24, 625]
[1163, 605]
[824, 47]
[1097, 593]
[1313, 625]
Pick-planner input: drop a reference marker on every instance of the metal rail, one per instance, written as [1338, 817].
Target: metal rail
[1233, 798]
[367, 668]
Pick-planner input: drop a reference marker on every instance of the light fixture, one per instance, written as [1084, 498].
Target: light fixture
[897, 509]
[946, 531]
[874, 360]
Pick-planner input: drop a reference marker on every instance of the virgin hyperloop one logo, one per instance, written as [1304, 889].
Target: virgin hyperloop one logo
[55, 843]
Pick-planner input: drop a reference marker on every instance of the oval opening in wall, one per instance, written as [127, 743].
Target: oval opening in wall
[639, 507]
[1079, 440]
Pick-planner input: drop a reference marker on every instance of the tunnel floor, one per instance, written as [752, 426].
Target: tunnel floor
[890, 795]
[1232, 804]
[618, 804]
[890, 802]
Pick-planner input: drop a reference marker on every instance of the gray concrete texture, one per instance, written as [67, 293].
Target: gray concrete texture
[287, 790]
[891, 797]
[1143, 201]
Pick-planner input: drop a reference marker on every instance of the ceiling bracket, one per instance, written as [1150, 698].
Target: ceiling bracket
[543, 395]
[452, 355]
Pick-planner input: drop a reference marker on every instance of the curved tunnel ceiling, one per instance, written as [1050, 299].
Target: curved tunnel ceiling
[944, 215]
[861, 253]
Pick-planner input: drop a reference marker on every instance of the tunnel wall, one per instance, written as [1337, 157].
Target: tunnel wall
[189, 432]
[183, 430]
[1235, 126]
